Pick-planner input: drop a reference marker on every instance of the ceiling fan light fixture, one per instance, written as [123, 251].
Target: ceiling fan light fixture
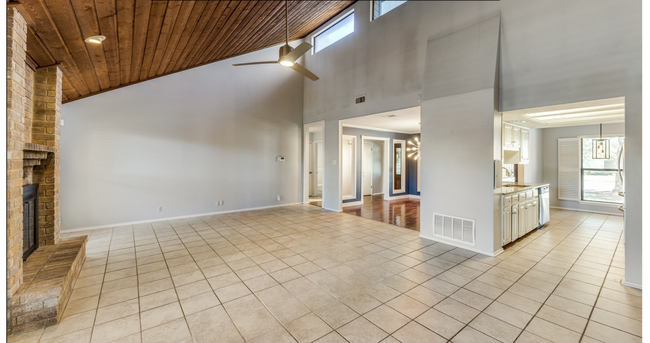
[95, 39]
[286, 63]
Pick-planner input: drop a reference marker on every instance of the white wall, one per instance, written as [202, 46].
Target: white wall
[550, 137]
[183, 142]
[551, 52]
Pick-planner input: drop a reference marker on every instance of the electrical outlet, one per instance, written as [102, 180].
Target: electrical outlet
[279, 197]
[222, 202]
[159, 209]
[217, 203]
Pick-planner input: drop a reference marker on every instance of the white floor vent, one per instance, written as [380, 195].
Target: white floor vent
[458, 229]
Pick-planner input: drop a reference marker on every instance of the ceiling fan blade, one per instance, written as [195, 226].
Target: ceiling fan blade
[304, 71]
[251, 63]
[297, 52]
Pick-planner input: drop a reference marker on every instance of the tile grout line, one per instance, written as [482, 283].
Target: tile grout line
[563, 277]
[514, 282]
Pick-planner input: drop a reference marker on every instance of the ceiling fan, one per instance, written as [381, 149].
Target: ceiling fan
[289, 55]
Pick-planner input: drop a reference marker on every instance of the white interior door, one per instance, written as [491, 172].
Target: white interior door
[318, 151]
[312, 170]
[367, 172]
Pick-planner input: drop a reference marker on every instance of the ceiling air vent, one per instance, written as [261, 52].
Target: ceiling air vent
[454, 228]
[360, 99]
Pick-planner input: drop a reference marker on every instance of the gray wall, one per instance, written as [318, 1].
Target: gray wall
[550, 137]
[183, 142]
[551, 52]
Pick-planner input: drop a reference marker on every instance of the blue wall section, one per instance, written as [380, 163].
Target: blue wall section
[412, 170]
[411, 165]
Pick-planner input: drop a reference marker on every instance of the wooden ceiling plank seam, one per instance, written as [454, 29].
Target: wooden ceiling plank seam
[242, 36]
[210, 32]
[275, 36]
[66, 21]
[46, 56]
[197, 31]
[230, 26]
[107, 18]
[47, 31]
[108, 27]
[84, 11]
[67, 89]
[171, 16]
[105, 8]
[140, 33]
[125, 22]
[179, 28]
[192, 21]
[156, 17]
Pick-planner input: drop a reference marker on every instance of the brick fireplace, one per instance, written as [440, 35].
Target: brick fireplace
[37, 288]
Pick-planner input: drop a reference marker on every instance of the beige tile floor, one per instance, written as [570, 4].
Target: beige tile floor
[301, 274]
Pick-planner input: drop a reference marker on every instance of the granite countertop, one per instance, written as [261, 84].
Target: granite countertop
[521, 186]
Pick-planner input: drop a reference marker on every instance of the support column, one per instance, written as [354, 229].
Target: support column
[46, 130]
[17, 135]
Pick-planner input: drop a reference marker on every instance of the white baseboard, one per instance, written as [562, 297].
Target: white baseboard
[397, 197]
[173, 218]
[462, 246]
[353, 203]
[631, 284]
[348, 197]
[620, 214]
[414, 196]
[498, 252]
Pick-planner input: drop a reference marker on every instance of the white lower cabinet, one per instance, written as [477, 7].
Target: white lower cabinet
[520, 215]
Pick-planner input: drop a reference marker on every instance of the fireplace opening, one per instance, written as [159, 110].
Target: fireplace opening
[30, 219]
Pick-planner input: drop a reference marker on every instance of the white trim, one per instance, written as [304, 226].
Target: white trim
[397, 197]
[106, 226]
[379, 129]
[385, 163]
[339, 166]
[630, 284]
[581, 210]
[355, 152]
[455, 244]
[353, 203]
[403, 157]
[596, 203]
[305, 159]
[332, 210]
[498, 252]
[414, 196]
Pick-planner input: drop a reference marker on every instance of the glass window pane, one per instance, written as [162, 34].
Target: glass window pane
[398, 159]
[384, 6]
[335, 32]
[601, 186]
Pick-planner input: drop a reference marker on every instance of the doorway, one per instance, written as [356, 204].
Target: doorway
[374, 168]
[314, 164]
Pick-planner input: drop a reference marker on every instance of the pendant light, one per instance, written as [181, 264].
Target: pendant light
[415, 149]
[600, 147]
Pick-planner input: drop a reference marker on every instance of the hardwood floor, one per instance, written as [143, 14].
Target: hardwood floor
[404, 213]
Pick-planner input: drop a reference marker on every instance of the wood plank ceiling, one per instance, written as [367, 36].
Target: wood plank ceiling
[147, 39]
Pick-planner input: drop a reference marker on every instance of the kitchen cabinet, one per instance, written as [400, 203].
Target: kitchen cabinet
[520, 211]
[515, 144]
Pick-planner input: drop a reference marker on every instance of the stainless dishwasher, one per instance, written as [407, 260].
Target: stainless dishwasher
[544, 206]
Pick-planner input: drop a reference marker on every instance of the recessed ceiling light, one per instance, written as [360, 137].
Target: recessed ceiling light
[95, 39]
[518, 121]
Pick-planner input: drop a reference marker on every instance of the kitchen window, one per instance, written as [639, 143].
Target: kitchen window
[334, 32]
[600, 178]
[382, 7]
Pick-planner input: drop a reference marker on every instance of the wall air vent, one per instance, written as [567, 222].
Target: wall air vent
[360, 99]
[455, 228]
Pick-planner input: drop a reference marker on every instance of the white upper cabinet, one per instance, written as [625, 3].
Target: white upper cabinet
[515, 144]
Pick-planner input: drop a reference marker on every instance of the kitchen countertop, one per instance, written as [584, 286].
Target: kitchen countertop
[508, 190]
